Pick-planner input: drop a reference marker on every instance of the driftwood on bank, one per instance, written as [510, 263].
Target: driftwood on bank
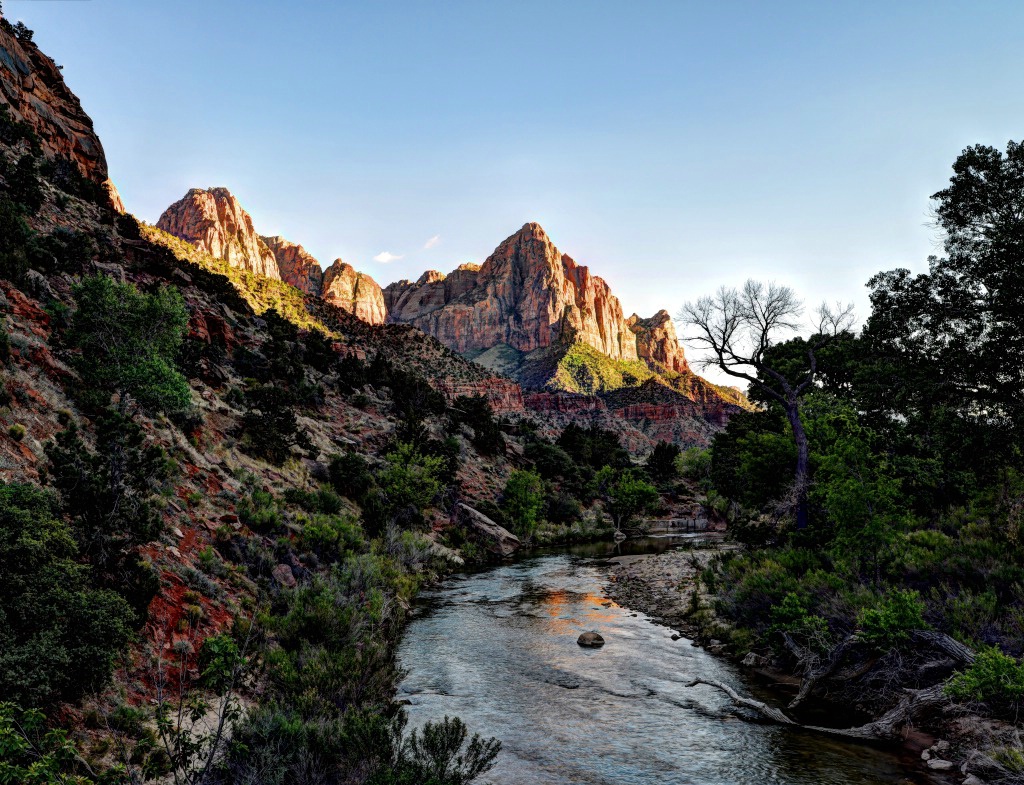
[886, 728]
[817, 669]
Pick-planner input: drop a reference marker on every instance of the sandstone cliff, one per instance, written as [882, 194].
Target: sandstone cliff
[354, 292]
[296, 265]
[32, 89]
[527, 295]
[214, 222]
[530, 296]
[657, 343]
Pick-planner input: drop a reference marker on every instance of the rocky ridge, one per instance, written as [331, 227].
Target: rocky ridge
[33, 91]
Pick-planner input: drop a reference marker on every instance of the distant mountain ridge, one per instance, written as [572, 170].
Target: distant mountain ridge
[520, 313]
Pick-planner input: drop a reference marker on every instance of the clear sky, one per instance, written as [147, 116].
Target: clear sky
[671, 146]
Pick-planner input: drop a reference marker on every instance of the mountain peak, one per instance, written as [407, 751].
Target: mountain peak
[213, 220]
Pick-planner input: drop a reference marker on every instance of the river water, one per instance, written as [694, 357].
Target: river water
[498, 649]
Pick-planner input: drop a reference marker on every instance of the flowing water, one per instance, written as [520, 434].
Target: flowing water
[498, 649]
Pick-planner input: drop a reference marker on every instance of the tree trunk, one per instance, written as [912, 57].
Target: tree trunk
[886, 728]
[801, 479]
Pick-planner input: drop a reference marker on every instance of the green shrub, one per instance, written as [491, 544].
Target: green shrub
[128, 342]
[350, 475]
[522, 500]
[994, 678]
[59, 636]
[259, 511]
[889, 623]
[16, 432]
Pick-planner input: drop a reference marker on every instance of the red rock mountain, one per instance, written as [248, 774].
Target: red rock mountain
[296, 265]
[33, 90]
[214, 221]
[355, 292]
[529, 295]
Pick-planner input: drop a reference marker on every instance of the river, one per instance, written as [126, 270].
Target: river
[498, 649]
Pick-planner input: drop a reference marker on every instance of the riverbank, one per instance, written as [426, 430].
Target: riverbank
[668, 588]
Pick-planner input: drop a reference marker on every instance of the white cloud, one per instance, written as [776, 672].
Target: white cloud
[433, 241]
[386, 256]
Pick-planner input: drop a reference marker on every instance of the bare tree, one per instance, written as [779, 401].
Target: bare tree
[740, 326]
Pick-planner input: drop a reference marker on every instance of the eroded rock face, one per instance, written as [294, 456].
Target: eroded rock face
[214, 222]
[657, 343]
[529, 295]
[354, 292]
[33, 90]
[296, 265]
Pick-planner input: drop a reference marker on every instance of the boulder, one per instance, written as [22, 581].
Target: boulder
[590, 640]
[283, 575]
[937, 764]
[496, 538]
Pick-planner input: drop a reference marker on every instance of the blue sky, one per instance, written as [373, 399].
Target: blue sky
[672, 146]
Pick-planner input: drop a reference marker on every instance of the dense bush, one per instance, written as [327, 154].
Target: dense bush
[994, 678]
[522, 502]
[127, 342]
[59, 636]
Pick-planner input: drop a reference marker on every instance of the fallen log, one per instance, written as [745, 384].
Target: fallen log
[888, 727]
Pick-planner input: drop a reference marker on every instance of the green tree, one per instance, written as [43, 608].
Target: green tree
[626, 495]
[410, 479]
[127, 343]
[522, 500]
[661, 463]
[59, 636]
[108, 494]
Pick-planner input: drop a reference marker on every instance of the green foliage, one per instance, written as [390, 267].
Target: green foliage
[16, 242]
[626, 495]
[439, 754]
[522, 501]
[350, 475]
[59, 636]
[409, 480]
[269, 423]
[994, 678]
[259, 511]
[888, 623]
[108, 495]
[583, 369]
[262, 293]
[661, 463]
[127, 342]
[33, 754]
[476, 412]
[792, 616]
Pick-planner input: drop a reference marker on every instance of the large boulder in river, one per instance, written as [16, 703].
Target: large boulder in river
[494, 537]
[590, 640]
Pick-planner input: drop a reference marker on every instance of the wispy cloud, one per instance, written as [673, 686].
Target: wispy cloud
[433, 241]
[386, 256]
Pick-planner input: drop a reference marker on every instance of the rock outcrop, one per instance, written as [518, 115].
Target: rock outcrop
[657, 343]
[354, 292]
[214, 222]
[32, 89]
[529, 296]
[495, 538]
[296, 265]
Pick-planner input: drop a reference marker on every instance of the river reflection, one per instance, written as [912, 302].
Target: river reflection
[498, 648]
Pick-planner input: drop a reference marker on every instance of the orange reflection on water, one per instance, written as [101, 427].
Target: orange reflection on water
[590, 610]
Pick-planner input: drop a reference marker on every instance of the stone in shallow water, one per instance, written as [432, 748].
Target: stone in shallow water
[590, 640]
[940, 765]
